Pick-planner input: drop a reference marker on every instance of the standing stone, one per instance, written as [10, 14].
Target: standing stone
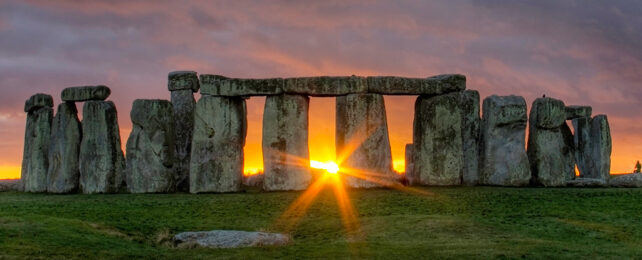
[546, 143]
[600, 148]
[409, 164]
[217, 146]
[437, 136]
[182, 85]
[36, 146]
[286, 159]
[150, 148]
[362, 142]
[582, 144]
[568, 151]
[101, 160]
[503, 158]
[470, 124]
[63, 174]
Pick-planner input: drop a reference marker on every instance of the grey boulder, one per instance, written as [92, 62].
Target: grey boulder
[150, 148]
[10, 185]
[85, 93]
[63, 174]
[633, 180]
[586, 182]
[362, 143]
[503, 158]
[101, 160]
[229, 239]
[217, 146]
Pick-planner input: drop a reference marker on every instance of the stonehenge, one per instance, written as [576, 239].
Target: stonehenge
[35, 159]
[362, 143]
[286, 157]
[183, 85]
[181, 145]
[150, 148]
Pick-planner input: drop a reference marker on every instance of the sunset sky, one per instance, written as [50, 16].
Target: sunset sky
[583, 52]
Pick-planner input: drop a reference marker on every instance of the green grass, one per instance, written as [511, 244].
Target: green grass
[479, 222]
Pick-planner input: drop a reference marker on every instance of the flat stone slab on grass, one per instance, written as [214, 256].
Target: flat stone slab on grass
[10, 185]
[586, 182]
[85, 93]
[229, 239]
[633, 180]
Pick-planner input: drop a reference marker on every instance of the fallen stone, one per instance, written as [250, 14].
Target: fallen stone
[86, 93]
[362, 142]
[101, 160]
[220, 128]
[150, 148]
[438, 151]
[38, 101]
[435, 85]
[582, 144]
[183, 103]
[10, 185]
[229, 239]
[63, 174]
[573, 112]
[409, 164]
[286, 158]
[586, 182]
[470, 125]
[182, 80]
[546, 143]
[633, 180]
[503, 158]
[35, 160]
[601, 145]
[325, 86]
[215, 85]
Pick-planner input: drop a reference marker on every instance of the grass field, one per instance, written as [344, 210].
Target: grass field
[478, 222]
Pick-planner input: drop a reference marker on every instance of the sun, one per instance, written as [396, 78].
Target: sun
[329, 167]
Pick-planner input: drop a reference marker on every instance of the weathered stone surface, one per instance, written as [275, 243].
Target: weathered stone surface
[633, 180]
[150, 147]
[38, 101]
[216, 85]
[582, 144]
[101, 160]
[600, 163]
[503, 158]
[229, 239]
[409, 164]
[10, 185]
[470, 125]
[437, 136]
[586, 182]
[546, 143]
[254, 180]
[568, 151]
[183, 103]
[217, 146]
[573, 112]
[325, 86]
[182, 80]
[416, 86]
[63, 174]
[85, 93]
[362, 142]
[285, 143]
[35, 160]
